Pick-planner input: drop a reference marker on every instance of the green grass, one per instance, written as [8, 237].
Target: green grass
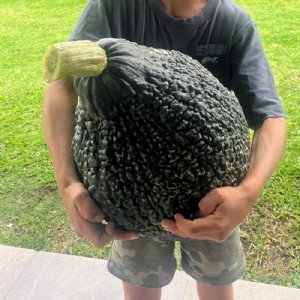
[272, 234]
[31, 213]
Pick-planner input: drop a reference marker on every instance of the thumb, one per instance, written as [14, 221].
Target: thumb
[89, 210]
[208, 204]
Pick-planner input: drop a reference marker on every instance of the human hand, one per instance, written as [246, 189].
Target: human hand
[221, 211]
[86, 217]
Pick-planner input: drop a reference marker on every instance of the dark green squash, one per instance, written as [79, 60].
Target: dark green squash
[154, 133]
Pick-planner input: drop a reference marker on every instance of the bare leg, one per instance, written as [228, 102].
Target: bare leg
[132, 292]
[207, 292]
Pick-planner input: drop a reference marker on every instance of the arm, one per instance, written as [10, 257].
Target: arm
[223, 209]
[59, 109]
[267, 148]
[59, 122]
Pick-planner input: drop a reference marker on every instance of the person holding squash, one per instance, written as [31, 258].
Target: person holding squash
[224, 38]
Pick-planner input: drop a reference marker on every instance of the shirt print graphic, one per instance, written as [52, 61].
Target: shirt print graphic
[210, 53]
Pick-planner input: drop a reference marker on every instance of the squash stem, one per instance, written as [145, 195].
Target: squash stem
[75, 59]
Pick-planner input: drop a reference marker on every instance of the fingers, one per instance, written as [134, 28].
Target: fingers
[197, 227]
[171, 226]
[88, 209]
[121, 235]
[180, 227]
[221, 211]
[125, 235]
[96, 234]
[202, 228]
[207, 228]
[86, 218]
[110, 229]
[100, 234]
[209, 203]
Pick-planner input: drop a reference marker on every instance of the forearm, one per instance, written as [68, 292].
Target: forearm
[267, 149]
[59, 121]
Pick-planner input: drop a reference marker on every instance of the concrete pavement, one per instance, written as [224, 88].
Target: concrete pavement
[36, 275]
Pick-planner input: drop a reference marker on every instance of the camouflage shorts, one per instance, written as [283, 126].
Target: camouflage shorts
[150, 262]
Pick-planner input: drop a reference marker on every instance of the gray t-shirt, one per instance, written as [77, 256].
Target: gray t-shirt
[222, 37]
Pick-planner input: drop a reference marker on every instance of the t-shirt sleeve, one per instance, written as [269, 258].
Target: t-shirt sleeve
[252, 80]
[93, 23]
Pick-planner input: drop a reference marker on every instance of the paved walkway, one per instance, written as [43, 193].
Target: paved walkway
[31, 275]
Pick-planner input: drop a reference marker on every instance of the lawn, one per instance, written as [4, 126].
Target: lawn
[31, 214]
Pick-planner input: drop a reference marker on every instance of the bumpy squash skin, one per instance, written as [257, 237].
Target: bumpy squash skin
[154, 133]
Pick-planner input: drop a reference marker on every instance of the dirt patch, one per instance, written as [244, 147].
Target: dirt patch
[45, 191]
